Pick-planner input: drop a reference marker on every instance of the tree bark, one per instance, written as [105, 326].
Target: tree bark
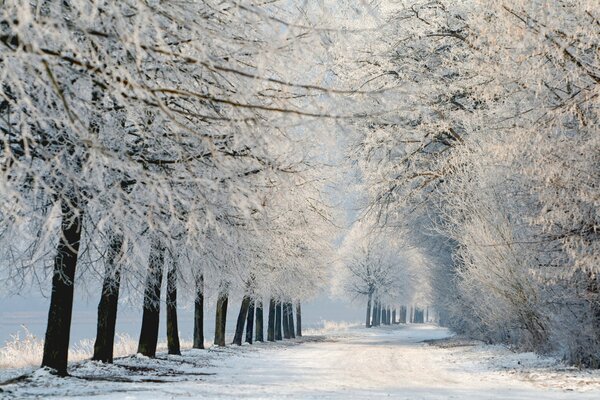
[394, 316]
[259, 322]
[150, 317]
[109, 301]
[199, 314]
[368, 320]
[250, 323]
[172, 326]
[241, 319]
[291, 320]
[286, 321]
[271, 321]
[221, 319]
[298, 320]
[278, 310]
[403, 312]
[56, 344]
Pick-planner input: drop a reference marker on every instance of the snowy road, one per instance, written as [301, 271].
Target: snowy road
[355, 364]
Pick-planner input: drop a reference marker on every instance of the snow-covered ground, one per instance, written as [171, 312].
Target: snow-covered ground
[340, 363]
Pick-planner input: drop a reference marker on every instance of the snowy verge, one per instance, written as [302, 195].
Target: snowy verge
[543, 371]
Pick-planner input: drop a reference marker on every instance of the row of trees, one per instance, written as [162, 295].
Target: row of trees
[149, 144]
[490, 164]
[387, 315]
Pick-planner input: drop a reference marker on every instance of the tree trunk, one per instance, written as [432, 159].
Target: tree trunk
[56, 344]
[374, 316]
[199, 314]
[250, 323]
[298, 320]
[172, 327]
[271, 321]
[286, 321]
[109, 300]
[291, 320]
[376, 313]
[221, 319]
[394, 316]
[388, 315]
[150, 317]
[402, 314]
[384, 315]
[368, 320]
[278, 312]
[259, 322]
[241, 319]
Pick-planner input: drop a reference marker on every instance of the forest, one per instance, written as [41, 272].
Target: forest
[430, 160]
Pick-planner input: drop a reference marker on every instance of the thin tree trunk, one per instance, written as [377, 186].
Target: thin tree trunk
[291, 320]
[56, 344]
[259, 322]
[150, 317]
[221, 319]
[298, 320]
[199, 314]
[394, 316]
[368, 320]
[241, 319]
[172, 326]
[374, 316]
[403, 314]
[109, 301]
[250, 323]
[278, 311]
[271, 321]
[286, 321]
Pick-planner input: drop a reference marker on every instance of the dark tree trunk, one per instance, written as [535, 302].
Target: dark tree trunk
[388, 315]
[109, 300]
[278, 311]
[402, 314]
[259, 322]
[376, 314]
[298, 320]
[368, 320]
[56, 344]
[394, 316]
[241, 319]
[199, 314]
[172, 327]
[291, 320]
[221, 319]
[271, 321]
[250, 323]
[383, 316]
[151, 313]
[285, 317]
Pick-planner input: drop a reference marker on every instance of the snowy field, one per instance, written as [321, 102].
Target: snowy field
[402, 362]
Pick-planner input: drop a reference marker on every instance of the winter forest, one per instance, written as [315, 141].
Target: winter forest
[434, 164]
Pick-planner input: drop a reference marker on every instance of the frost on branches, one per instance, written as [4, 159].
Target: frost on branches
[491, 164]
[147, 141]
